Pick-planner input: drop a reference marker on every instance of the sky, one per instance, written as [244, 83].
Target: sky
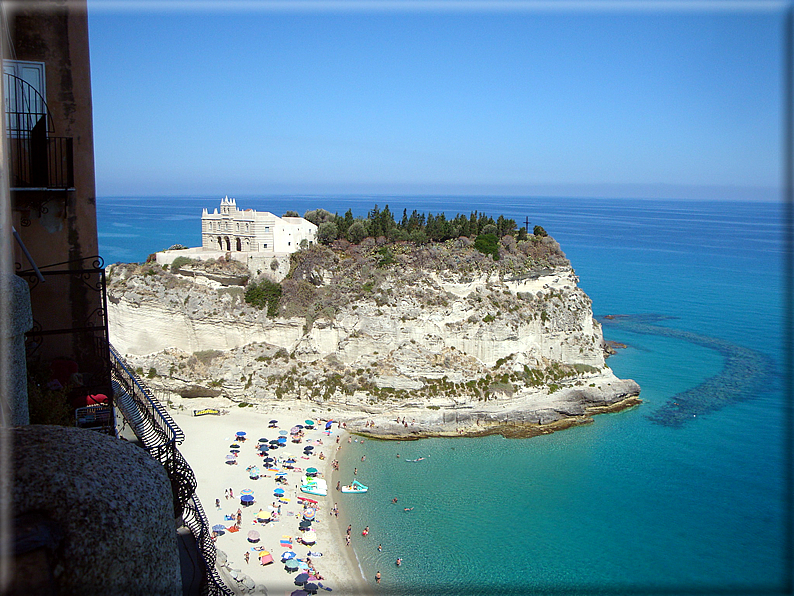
[603, 99]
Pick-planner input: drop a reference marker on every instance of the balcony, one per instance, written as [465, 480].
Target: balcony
[40, 165]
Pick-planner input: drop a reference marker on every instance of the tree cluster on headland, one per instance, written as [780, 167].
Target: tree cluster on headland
[416, 227]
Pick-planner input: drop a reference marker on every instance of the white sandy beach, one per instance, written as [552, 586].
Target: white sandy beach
[206, 446]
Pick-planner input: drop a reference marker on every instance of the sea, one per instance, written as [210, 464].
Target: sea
[687, 493]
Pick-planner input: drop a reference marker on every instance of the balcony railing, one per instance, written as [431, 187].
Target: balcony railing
[36, 158]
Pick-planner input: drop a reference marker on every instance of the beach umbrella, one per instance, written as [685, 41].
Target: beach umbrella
[229, 458]
[265, 558]
[273, 441]
[301, 579]
[283, 433]
[309, 422]
[263, 448]
[281, 473]
[305, 524]
[309, 537]
[294, 430]
[253, 536]
[234, 450]
[311, 470]
[281, 440]
[299, 593]
[286, 556]
[247, 499]
[308, 513]
[262, 515]
[291, 565]
[234, 446]
[240, 433]
[218, 528]
[278, 491]
[273, 422]
[247, 491]
[308, 448]
[311, 588]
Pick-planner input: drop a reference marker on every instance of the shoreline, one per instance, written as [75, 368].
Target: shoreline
[387, 429]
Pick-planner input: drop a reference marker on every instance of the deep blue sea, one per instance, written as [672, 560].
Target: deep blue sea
[686, 493]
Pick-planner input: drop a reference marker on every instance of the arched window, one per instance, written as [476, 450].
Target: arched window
[239, 245]
[228, 244]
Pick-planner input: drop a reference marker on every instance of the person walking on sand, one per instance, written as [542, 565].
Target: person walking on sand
[217, 503]
[226, 492]
[246, 556]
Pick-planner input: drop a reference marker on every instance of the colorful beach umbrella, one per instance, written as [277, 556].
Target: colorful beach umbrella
[265, 558]
[294, 430]
[286, 556]
[247, 491]
[308, 514]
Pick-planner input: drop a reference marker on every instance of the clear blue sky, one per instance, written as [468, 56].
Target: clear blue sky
[203, 99]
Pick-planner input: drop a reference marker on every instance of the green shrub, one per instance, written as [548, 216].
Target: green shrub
[488, 244]
[265, 294]
[178, 262]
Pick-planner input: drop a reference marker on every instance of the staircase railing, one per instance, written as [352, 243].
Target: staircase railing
[160, 436]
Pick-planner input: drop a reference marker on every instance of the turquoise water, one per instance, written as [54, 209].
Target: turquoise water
[630, 503]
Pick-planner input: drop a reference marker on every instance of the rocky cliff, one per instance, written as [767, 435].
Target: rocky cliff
[440, 333]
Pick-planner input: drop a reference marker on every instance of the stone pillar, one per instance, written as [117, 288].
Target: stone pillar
[19, 321]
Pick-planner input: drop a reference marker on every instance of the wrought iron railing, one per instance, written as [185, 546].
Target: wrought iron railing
[69, 304]
[36, 158]
[160, 436]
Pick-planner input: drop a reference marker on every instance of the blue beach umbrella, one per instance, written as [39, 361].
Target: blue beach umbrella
[218, 528]
[311, 588]
[286, 556]
[240, 433]
[301, 579]
[278, 491]
[328, 424]
[247, 499]
[283, 433]
[291, 565]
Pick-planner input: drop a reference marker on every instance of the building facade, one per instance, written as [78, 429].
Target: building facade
[232, 230]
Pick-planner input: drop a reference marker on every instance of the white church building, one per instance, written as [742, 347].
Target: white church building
[233, 230]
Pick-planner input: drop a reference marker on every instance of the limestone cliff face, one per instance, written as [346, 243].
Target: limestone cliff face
[363, 327]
